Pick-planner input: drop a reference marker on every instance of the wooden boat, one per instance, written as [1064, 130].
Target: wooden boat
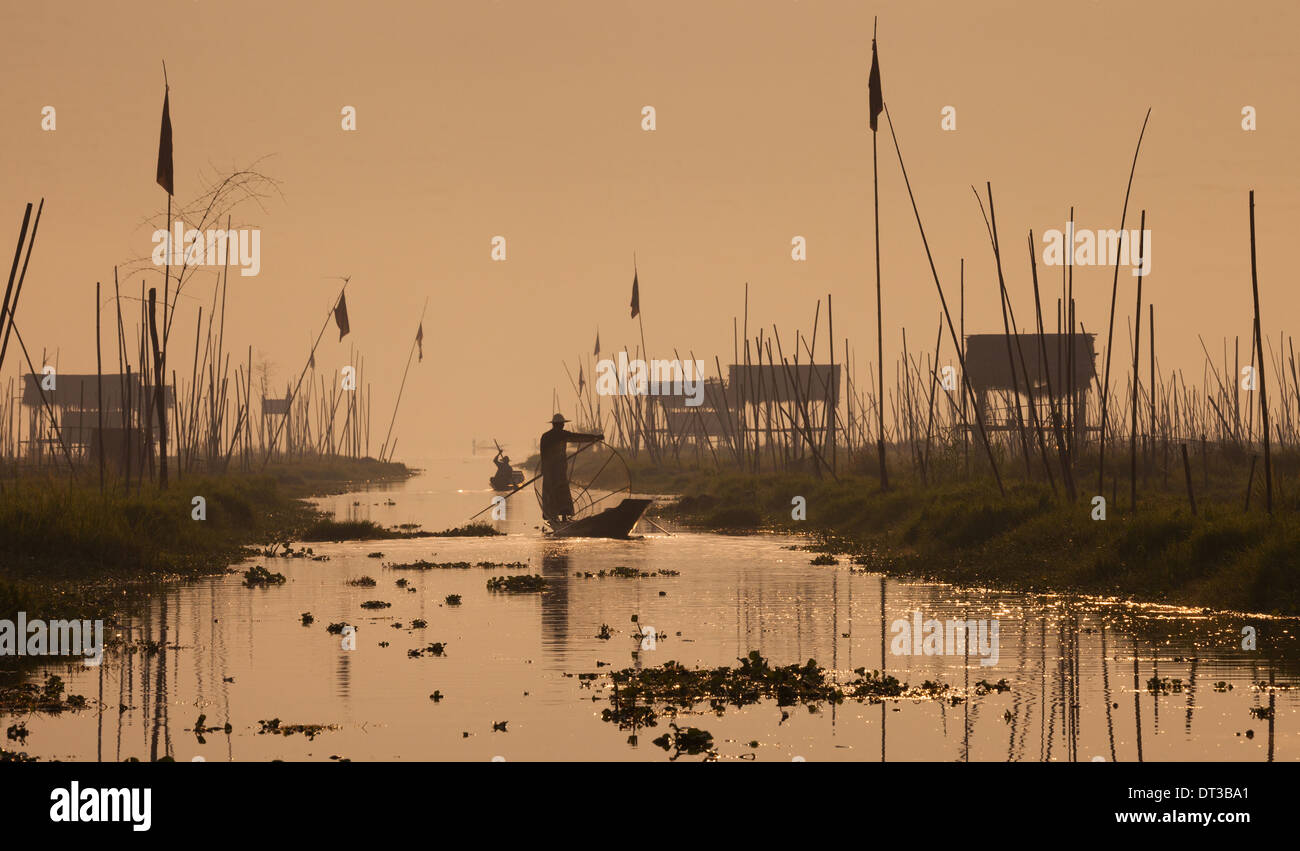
[499, 482]
[614, 522]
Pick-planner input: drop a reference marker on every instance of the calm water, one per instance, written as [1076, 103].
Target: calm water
[1078, 668]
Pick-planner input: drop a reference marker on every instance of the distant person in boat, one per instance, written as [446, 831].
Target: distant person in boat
[505, 476]
[557, 502]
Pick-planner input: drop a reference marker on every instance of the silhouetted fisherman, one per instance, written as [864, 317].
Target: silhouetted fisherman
[504, 470]
[557, 502]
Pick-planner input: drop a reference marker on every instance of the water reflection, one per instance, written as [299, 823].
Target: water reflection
[555, 602]
[1089, 679]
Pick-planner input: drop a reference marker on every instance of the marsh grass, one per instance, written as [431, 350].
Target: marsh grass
[71, 551]
[964, 531]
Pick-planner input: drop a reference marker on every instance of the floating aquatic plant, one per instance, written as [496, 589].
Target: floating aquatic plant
[622, 572]
[517, 584]
[201, 728]
[46, 697]
[689, 740]
[274, 551]
[311, 731]
[640, 695]
[983, 687]
[469, 530]
[1164, 685]
[429, 565]
[358, 530]
[258, 576]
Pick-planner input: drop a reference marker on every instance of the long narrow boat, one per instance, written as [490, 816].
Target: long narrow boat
[614, 522]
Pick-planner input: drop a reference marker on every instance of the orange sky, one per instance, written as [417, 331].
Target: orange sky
[523, 119]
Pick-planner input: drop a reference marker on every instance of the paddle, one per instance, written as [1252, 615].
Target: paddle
[520, 487]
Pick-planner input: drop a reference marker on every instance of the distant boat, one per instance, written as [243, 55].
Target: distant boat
[500, 482]
[616, 522]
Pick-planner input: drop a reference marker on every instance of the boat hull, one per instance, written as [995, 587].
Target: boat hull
[498, 482]
[616, 522]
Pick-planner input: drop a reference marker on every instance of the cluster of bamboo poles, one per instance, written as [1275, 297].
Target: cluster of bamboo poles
[1059, 429]
[924, 416]
[341, 417]
[210, 422]
[739, 425]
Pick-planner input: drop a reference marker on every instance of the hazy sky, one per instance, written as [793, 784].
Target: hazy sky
[523, 119]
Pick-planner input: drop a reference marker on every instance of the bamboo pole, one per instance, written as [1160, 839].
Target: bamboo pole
[409, 355]
[1187, 476]
[1259, 343]
[72, 468]
[1137, 352]
[99, 389]
[276, 436]
[124, 376]
[979, 420]
[1061, 447]
[833, 398]
[1110, 334]
[880, 333]
[10, 307]
[1151, 337]
[159, 386]
[1011, 332]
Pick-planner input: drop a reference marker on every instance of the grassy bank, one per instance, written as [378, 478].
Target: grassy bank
[965, 532]
[71, 551]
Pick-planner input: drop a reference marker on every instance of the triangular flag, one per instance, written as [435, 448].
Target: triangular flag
[311, 361]
[419, 341]
[636, 296]
[873, 85]
[341, 316]
[597, 342]
[165, 148]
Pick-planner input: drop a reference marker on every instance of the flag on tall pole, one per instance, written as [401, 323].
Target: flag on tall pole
[165, 180]
[165, 174]
[341, 316]
[876, 101]
[636, 295]
[597, 342]
[875, 95]
[419, 341]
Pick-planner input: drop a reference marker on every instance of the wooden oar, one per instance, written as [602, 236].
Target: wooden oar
[520, 487]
